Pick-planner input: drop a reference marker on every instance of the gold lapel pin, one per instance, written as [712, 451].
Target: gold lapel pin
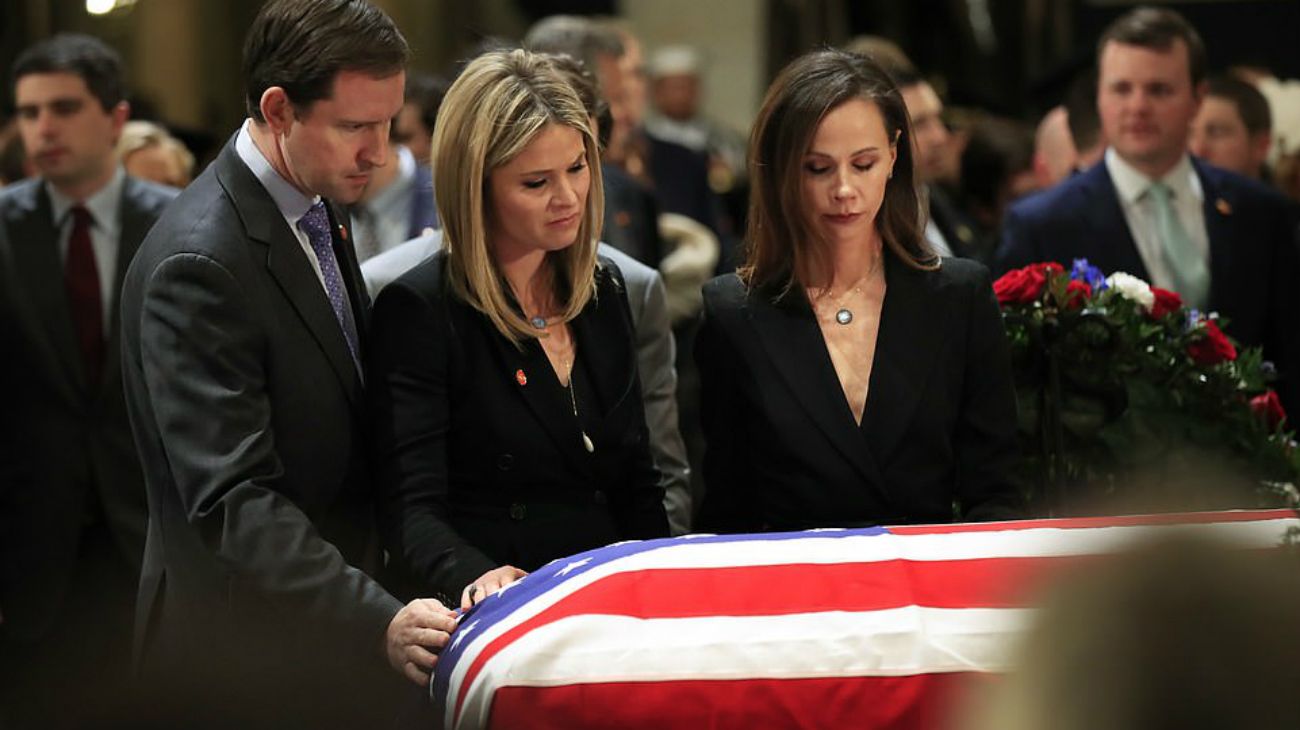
[1222, 206]
[343, 231]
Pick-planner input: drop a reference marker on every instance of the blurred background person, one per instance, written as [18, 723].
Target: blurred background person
[149, 152]
[1233, 129]
[413, 126]
[1055, 157]
[839, 389]
[997, 169]
[509, 426]
[72, 523]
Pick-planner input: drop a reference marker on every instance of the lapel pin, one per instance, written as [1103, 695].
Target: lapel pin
[520, 377]
[343, 231]
[1223, 207]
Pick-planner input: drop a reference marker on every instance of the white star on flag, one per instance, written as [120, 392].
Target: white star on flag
[462, 632]
[572, 567]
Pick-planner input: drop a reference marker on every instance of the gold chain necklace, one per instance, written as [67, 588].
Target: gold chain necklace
[844, 315]
[573, 400]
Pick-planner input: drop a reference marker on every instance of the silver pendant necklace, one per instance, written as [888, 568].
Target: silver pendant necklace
[573, 400]
[844, 315]
[538, 321]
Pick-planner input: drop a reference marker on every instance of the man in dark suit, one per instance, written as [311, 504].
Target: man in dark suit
[72, 507]
[1223, 242]
[244, 322]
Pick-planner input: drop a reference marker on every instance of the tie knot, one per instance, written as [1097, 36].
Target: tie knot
[81, 216]
[316, 223]
[1160, 192]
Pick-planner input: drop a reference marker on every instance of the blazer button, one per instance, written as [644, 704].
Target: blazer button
[505, 462]
[518, 511]
[599, 497]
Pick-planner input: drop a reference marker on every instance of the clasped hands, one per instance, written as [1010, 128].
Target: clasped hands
[423, 626]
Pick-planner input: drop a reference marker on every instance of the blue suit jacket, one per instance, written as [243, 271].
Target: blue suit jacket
[1254, 264]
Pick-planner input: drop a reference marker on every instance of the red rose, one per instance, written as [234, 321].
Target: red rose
[1024, 285]
[1214, 347]
[1166, 302]
[1076, 293]
[1269, 408]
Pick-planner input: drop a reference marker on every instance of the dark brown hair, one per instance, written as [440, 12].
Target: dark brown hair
[1157, 29]
[782, 249]
[86, 56]
[1251, 105]
[301, 45]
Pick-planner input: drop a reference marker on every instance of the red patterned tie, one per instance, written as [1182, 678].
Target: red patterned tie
[81, 277]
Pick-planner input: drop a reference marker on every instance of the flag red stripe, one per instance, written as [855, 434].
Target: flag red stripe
[920, 702]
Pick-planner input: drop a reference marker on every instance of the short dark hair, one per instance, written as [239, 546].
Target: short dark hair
[1157, 29]
[583, 81]
[301, 45]
[997, 149]
[426, 92]
[86, 56]
[1251, 105]
[782, 250]
[1081, 110]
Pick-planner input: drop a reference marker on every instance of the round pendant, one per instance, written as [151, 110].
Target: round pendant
[539, 322]
[586, 442]
[844, 316]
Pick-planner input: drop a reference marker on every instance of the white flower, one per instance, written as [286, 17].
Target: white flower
[1132, 288]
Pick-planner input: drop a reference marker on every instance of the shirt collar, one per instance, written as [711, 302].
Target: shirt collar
[289, 199]
[104, 204]
[1132, 184]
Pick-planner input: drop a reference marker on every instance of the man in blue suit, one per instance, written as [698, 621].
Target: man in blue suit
[1223, 242]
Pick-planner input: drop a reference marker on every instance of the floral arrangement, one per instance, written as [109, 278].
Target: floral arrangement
[1117, 378]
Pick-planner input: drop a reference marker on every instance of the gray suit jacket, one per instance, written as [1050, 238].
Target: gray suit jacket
[655, 358]
[256, 601]
[67, 455]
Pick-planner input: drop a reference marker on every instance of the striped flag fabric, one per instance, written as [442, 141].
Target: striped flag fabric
[880, 627]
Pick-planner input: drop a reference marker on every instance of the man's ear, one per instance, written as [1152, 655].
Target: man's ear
[277, 109]
[119, 114]
[1260, 144]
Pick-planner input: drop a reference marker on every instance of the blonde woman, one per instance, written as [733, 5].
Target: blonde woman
[508, 416]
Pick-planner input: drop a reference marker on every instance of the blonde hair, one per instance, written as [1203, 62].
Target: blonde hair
[138, 135]
[499, 104]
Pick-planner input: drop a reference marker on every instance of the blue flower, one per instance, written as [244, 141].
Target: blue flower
[1089, 274]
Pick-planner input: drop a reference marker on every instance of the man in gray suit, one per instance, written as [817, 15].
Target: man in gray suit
[244, 322]
[655, 357]
[72, 507]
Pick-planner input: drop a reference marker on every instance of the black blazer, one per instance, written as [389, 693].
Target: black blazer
[248, 413]
[70, 456]
[480, 457]
[784, 452]
[1254, 258]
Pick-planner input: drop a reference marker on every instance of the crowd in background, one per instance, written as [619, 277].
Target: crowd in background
[675, 196]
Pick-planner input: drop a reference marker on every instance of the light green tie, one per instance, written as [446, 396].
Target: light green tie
[1185, 262]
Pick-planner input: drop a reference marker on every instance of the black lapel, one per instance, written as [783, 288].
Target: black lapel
[605, 341]
[136, 220]
[908, 344]
[346, 253]
[529, 373]
[1218, 208]
[39, 272]
[1112, 246]
[789, 333]
[288, 264]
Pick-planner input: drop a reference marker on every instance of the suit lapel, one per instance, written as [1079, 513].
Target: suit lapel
[288, 265]
[34, 240]
[789, 334]
[597, 333]
[135, 224]
[1112, 246]
[530, 374]
[907, 347]
[1217, 208]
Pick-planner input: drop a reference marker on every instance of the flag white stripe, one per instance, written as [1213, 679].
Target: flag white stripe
[904, 641]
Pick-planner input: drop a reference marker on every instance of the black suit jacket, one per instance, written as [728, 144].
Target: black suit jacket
[481, 459]
[248, 413]
[784, 452]
[70, 454]
[1254, 260]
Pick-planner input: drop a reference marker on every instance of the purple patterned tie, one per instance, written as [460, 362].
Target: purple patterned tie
[316, 224]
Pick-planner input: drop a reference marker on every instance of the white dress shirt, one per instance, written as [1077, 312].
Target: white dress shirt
[1188, 198]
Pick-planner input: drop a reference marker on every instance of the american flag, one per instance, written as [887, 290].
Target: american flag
[877, 627]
